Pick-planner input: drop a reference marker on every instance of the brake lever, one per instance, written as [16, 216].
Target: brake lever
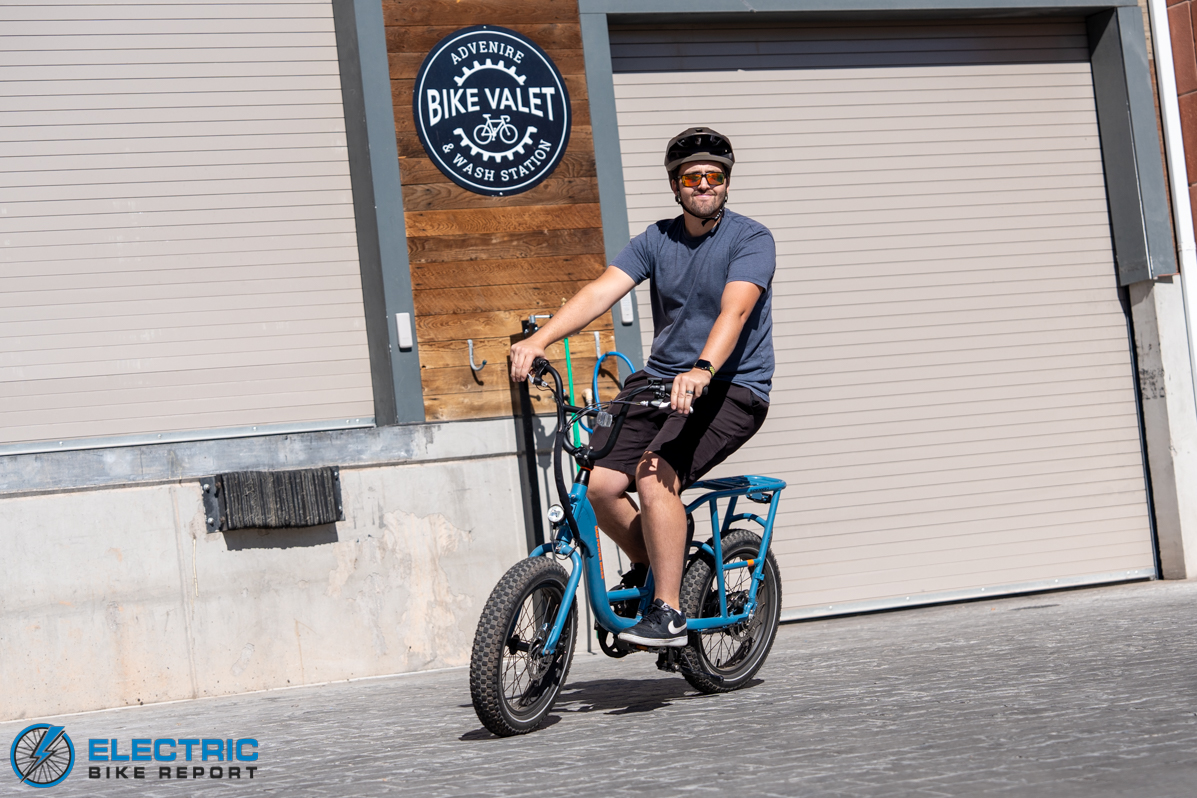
[661, 403]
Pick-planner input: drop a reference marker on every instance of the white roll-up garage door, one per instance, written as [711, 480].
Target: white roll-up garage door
[954, 405]
[178, 242]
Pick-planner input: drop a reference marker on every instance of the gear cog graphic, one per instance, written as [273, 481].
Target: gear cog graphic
[501, 66]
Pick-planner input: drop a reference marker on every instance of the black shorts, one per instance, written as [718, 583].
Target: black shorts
[721, 422]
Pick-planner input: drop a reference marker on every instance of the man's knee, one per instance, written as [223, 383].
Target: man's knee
[655, 475]
[607, 486]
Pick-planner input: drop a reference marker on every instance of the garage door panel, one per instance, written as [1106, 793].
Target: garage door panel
[816, 31]
[966, 353]
[849, 468]
[808, 60]
[1012, 521]
[851, 404]
[968, 477]
[929, 164]
[954, 401]
[760, 48]
[914, 342]
[965, 287]
[997, 553]
[1040, 574]
[796, 455]
[844, 522]
[957, 100]
[639, 86]
[804, 333]
[950, 442]
[1026, 267]
[780, 201]
[879, 423]
[936, 499]
[1084, 302]
[799, 178]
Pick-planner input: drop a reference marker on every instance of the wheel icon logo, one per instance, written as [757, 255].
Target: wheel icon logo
[42, 755]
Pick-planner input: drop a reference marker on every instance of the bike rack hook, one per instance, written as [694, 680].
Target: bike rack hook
[470, 341]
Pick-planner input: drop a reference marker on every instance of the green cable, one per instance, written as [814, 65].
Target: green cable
[569, 377]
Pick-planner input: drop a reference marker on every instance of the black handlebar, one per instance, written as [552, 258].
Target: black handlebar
[540, 366]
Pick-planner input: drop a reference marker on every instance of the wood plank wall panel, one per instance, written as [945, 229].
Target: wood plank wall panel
[179, 252]
[482, 264]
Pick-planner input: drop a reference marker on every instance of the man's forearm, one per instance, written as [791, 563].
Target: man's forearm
[723, 338]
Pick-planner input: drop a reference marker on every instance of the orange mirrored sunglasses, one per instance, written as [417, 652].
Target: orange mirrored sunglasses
[693, 179]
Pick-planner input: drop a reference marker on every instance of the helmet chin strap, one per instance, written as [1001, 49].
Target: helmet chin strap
[717, 215]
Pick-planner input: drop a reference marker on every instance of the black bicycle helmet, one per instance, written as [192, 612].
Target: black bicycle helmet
[698, 144]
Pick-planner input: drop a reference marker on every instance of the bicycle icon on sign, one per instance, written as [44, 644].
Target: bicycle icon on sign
[492, 129]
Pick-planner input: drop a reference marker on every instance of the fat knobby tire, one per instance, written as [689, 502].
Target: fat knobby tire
[697, 583]
[491, 642]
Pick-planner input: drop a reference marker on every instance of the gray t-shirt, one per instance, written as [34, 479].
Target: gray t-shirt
[688, 278]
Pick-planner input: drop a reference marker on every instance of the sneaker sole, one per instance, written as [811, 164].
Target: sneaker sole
[652, 642]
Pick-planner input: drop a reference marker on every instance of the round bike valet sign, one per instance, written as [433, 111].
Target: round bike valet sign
[492, 110]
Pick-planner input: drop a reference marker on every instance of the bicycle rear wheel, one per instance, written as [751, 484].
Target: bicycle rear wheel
[736, 653]
[514, 686]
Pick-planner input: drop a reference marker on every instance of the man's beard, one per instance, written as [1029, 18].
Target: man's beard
[691, 208]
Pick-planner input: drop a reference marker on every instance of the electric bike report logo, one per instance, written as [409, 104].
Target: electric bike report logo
[42, 755]
[492, 111]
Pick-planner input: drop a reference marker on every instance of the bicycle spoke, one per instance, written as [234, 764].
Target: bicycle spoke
[525, 672]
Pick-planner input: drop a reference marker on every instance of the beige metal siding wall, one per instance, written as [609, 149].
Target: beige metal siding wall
[178, 245]
[953, 407]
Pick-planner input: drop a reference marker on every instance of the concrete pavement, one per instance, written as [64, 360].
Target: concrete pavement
[1083, 693]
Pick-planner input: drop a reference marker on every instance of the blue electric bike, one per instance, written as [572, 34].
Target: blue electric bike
[731, 587]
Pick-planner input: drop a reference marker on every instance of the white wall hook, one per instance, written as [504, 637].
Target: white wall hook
[470, 341]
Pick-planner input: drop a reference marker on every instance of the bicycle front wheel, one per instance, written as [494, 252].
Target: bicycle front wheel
[736, 653]
[513, 685]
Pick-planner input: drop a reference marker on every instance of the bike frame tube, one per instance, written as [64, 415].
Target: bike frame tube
[571, 590]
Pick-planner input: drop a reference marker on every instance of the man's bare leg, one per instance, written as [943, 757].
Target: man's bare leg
[664, 525]
[615, 513]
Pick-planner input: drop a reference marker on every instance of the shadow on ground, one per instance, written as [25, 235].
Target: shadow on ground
[614, 697]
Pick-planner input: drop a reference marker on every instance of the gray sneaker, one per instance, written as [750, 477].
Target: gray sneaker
[661, 625]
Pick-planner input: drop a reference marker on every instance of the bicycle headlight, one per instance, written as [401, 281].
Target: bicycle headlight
[556, 514]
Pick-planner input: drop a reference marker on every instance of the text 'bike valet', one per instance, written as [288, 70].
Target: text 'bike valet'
[526, 636]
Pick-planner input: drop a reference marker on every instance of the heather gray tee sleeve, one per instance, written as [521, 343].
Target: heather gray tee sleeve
[636, 259]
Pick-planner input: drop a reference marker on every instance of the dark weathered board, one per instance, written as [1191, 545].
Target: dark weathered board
[482, 264]
[402, 39]
[450, 196]
[505, 272]
[501, 246]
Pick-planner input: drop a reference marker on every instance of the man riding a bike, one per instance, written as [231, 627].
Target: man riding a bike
[711, 273]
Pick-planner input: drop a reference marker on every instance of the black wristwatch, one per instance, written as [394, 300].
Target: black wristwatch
[706, 366]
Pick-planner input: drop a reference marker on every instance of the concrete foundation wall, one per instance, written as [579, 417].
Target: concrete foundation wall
[119, 596]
